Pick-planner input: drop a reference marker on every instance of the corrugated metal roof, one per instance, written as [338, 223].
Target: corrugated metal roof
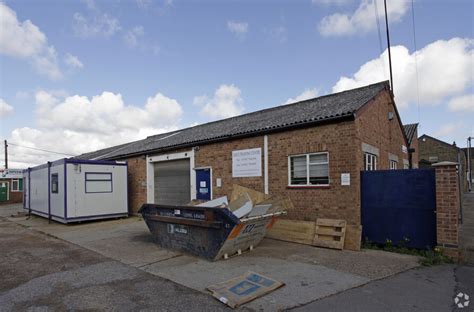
[325, 108]
[410, 130]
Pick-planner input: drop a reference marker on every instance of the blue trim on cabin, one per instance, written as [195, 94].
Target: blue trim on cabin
[65, 190]
[49, 190]
[78, 161]
[46, 214]
[91, 217]
[94, 162]
[29, 190]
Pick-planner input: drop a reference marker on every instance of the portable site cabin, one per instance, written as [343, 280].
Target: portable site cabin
[71, 190]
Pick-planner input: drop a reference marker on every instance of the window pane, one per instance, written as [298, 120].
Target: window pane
[98, 186]
[298, 167]
[20, 184]
[54, 183]
[298, 170]
[15, 185]
[318, 158]
[319, 174]
[98, 176]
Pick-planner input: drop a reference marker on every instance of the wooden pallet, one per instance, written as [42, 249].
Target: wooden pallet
[330, 233]
[293, 231]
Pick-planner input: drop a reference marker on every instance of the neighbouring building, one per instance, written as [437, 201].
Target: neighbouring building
[433, 150]
[11, 186]
[310, 151]
[411, 132]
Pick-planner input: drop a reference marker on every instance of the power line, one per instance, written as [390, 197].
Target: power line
[388, 45]
[416, 62]
[39, 149]
[378, 26]
[379, 32]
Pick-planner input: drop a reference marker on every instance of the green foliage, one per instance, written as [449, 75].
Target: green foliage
[428, 257]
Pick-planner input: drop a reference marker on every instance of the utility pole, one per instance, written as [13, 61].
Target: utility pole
[6, 154]
[469, 163]
[388, 44]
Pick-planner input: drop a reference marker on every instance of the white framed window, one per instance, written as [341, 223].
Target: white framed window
[393, 165]
[308, 169]
[370, 161]
[17, 185]
[98, 182]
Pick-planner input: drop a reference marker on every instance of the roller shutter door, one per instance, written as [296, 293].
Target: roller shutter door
[172, 182]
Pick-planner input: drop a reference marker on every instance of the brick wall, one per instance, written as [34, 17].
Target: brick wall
[219, 157]
[447, 208]
[335, 201]
[374, 128]
[136, 183]
[14, 197]
[415, 144]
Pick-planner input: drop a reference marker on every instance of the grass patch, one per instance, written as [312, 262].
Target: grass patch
[428, 257]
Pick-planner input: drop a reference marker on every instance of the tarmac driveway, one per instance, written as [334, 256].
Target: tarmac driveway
[309, 273]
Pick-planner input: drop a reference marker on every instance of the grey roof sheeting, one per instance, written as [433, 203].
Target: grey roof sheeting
[321, 109]
[410, 130]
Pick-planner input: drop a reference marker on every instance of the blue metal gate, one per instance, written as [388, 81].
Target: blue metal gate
[399, 203]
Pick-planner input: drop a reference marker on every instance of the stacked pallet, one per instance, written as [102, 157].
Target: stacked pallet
[328, 233]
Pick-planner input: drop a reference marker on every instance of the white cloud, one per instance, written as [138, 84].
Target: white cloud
[25, 40]
[73, 61]
[5, 109]
[97, 25]
[143, 4]
[330, 2]
[78, 124]
[240, 29]
[226, 102]
[305, 95]
[448, 130]
[133, 36]
[440, 77]
[363, 19]
[463, 103]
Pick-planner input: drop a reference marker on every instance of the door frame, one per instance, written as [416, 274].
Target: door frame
[8, 189]
[150, 172]
[210, 178]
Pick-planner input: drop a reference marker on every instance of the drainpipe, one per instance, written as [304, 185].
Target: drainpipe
[265, 163]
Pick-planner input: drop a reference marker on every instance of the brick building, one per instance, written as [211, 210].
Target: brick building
[433, 150]
[411, 133]
[311, 151]
[11, 186]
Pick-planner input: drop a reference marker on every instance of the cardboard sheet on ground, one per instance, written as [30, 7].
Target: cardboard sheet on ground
[243, 289]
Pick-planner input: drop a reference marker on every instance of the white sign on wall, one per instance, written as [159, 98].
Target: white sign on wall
[345, 179]
[247, 163]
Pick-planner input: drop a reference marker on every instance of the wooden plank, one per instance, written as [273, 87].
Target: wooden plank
[331, 222]
[293, 231]
[255, 196]
[353, 237]
[330, 233]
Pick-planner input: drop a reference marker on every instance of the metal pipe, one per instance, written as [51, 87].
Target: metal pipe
[265, 163]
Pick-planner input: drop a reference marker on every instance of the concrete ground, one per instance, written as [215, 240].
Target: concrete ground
[42, 273]
[424, 289]
[309, 273]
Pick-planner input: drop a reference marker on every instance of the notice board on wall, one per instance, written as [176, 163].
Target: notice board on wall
[247, 163]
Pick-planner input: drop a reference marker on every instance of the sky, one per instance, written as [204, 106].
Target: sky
[77, 76]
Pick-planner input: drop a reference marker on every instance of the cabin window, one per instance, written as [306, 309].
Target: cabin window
[54, 183]
[309, 169]
[98, 182]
